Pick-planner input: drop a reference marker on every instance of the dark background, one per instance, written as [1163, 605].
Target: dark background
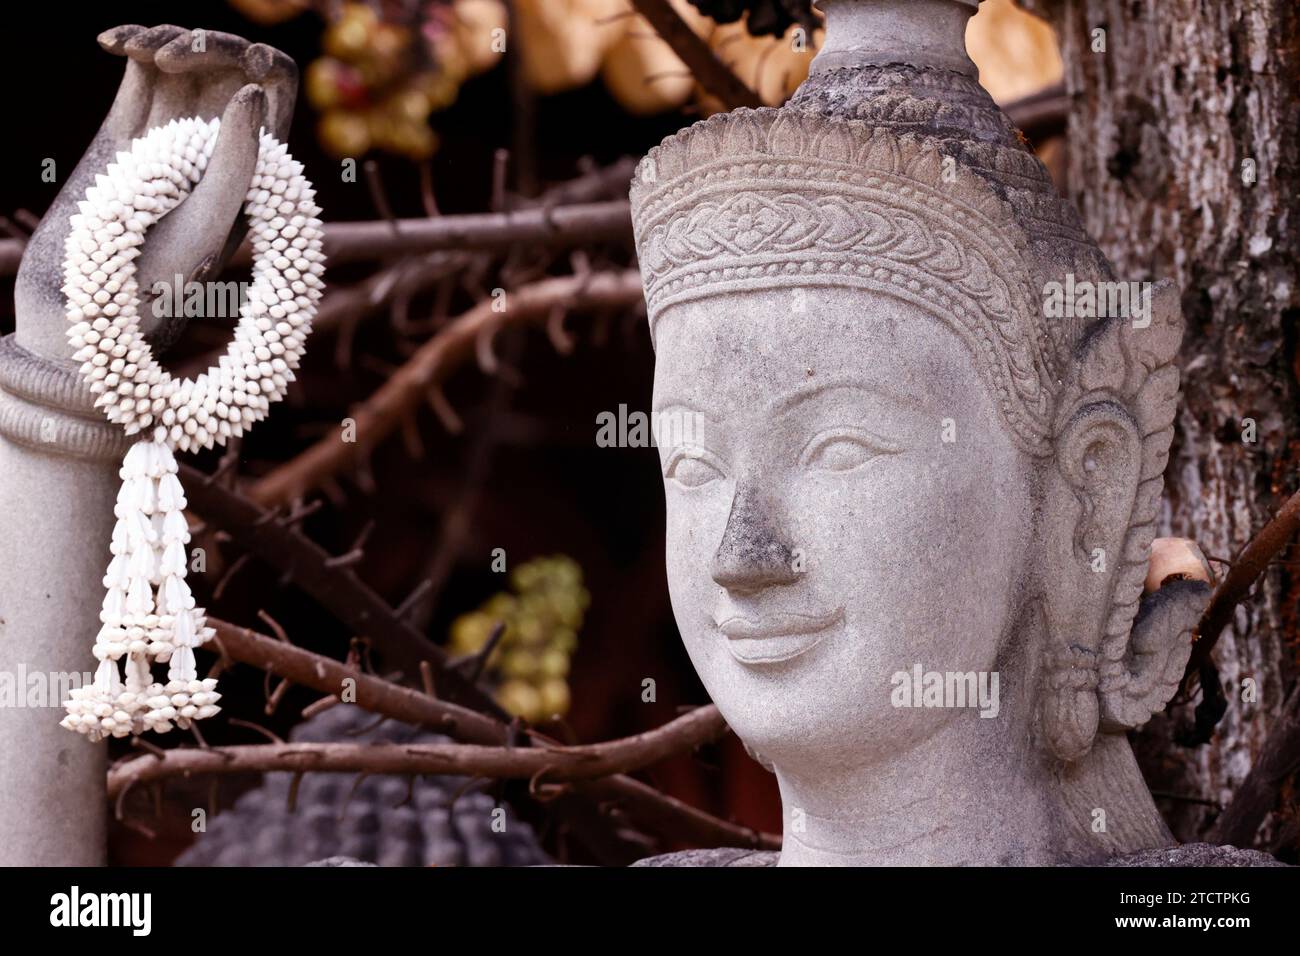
[542, 485]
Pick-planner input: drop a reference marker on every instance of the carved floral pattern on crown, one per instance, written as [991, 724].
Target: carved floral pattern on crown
[760, 199]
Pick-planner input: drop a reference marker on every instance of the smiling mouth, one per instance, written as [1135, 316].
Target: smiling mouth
[777, 637]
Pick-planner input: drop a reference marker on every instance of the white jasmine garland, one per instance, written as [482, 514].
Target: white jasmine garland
[149, 614]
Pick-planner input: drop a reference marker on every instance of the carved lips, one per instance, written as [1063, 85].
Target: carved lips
[778, 637]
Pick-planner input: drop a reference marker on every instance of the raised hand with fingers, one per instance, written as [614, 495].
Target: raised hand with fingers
[189, 153]
[171, 73]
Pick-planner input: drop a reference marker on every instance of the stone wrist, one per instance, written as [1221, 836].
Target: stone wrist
[44, 405]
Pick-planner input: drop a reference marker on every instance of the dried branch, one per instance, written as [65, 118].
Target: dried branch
[375, 694]
[293, 663]
[660, 813]
[11, 254]
[585, 762]
[474, 664]
[383, 412]
[337, 588]
[709, 71]
[1246, 569]
[594, 184]
[459, 515]
[1277, 760]
[664, 814]
[583, 223]
[555, 764]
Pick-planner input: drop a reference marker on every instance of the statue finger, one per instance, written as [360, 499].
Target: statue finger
[201, 70]
[196, 238]
[202, 51]
[129, 114]
[278, 75]
[143, 45]
[114, 39]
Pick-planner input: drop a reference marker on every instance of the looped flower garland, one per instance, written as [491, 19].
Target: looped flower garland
[148, 614]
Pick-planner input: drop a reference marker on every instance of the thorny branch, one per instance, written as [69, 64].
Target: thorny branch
[710, 72]
[562, 225]
[327, 676]
[472, 760]
[1245, 571]
[469, 334]
[488, 740]
[555, 763]
[275, 539]
[345, 242]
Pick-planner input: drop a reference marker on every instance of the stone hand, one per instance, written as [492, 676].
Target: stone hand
[170, 73]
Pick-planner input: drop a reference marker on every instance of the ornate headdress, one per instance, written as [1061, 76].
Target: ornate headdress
[892, 170]
[900, 180]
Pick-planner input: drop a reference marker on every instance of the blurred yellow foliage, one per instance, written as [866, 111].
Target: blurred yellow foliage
[542, 615]
[378, 81]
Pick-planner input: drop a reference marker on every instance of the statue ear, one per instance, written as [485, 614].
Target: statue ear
[1090, 498]
[1112, 444]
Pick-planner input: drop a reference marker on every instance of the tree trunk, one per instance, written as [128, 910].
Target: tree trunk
[1183, 154]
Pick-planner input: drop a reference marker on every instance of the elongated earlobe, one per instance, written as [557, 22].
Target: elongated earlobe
[1097, 464]
[1113, 432]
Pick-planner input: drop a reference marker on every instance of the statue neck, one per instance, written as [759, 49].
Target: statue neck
[930, 34]
[975, 793]
[979, 791]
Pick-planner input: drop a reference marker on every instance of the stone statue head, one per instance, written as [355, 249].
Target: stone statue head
[910, 488]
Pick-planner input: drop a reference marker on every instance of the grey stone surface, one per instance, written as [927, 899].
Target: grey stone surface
[1189, 854]
[721, 856]
[1196, 854]
[384, 820]
[886, 453]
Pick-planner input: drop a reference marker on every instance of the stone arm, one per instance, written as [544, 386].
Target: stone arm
[59, 457]
[170, 73]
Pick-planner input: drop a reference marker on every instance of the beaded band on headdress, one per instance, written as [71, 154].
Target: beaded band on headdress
[148, 613]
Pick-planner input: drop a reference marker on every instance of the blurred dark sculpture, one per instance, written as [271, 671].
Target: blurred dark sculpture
[386, 820]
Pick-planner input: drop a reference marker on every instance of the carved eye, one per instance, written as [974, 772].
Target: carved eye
[844, 450]
[689, 469]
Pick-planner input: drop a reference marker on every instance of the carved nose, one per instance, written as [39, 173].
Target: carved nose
[752, 555]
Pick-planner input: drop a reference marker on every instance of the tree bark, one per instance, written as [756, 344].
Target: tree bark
[1183, 155]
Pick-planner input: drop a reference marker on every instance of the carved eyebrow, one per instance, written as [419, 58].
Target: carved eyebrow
[808, 392]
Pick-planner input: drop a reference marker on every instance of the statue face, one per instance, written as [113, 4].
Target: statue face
[843, 503]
